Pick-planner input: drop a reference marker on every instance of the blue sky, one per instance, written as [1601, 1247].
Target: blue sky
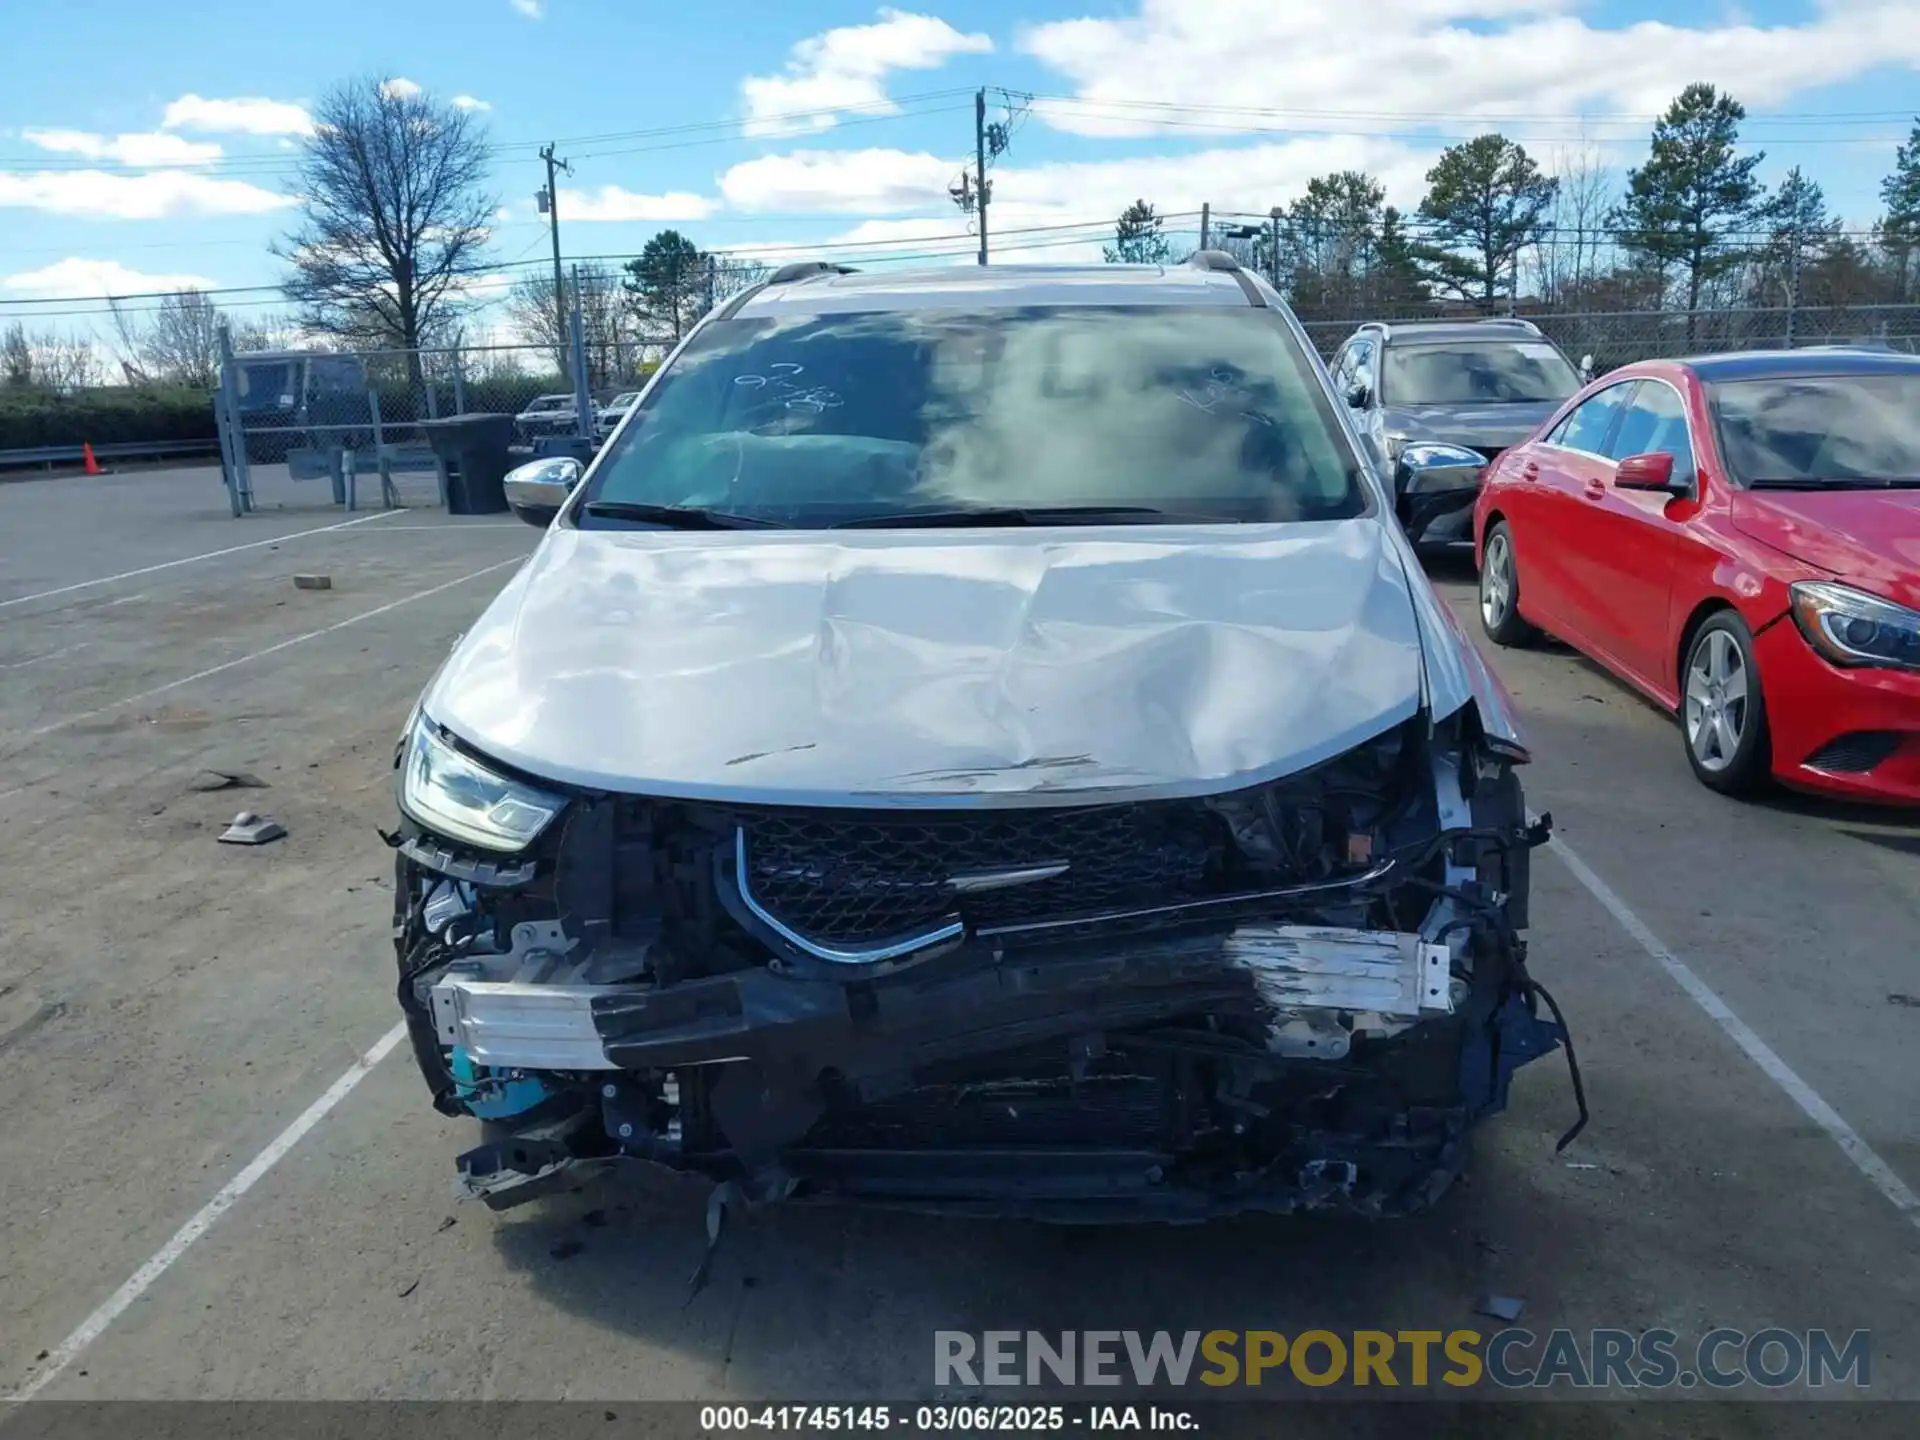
[143, 149]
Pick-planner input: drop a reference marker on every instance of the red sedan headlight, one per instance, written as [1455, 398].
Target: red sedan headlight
[1852, 628]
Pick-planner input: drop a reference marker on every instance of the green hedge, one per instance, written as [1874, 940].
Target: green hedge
[31, 418]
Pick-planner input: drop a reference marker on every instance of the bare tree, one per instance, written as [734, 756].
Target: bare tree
[16, 357]
[183, 342]
[606, 322]
[266, 332]
[395, 210]
[1574, 250]
[734, 273]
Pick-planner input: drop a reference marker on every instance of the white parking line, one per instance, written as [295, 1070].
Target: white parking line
[202, 1220]
[50, 655]
[211, 670]
[1865, 1159]
[195, 559]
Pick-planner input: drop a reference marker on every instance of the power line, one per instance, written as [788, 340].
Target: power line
[1070, 232]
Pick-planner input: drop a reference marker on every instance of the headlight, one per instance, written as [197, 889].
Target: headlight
[1850, 627]
[460, 798]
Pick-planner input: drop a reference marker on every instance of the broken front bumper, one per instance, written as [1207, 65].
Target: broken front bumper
[929, 1090]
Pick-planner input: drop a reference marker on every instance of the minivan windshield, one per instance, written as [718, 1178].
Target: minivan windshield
[1504, 372]
[1821, 430]
[819, 420]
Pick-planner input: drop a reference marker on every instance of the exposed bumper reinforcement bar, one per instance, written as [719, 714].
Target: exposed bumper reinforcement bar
[1293, 968]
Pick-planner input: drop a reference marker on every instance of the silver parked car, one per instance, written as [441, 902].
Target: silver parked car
[548, 415]
[982, 744]
[609, 415]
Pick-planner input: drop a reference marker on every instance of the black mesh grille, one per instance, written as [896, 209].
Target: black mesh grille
[851, 877]
[1854, 753]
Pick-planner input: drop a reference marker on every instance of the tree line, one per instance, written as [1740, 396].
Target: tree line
[1692, 227]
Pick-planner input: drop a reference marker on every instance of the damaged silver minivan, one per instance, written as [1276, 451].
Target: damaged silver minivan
[973, 740]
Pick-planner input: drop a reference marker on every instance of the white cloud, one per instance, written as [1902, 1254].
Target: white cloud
[610, 202]
[143, 151]
[75, 279]
[1239, 177]
[400, 88]
[246, 116]
[848, 67]
[151, 196]
[532, 9]
[1418, 60]
[471, 102]
[844, 181]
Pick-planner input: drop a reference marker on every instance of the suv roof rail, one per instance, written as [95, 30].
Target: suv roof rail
[805, 269]
[1221, 261]
[1518, 322]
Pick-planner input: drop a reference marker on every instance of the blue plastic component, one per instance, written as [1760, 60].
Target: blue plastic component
[1516, 1037]
[487, 1094]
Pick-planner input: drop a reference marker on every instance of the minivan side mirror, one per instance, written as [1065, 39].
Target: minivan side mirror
[536, 491]
[1358, 395]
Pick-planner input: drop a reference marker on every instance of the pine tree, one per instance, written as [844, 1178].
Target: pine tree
[1693, 192]
[1488, 203]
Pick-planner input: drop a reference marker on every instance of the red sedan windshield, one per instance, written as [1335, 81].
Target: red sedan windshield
[1821, 430]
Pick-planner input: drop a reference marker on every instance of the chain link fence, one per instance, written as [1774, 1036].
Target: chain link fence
[334, 418]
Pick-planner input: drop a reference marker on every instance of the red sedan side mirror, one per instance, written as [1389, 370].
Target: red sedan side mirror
[1647, 472]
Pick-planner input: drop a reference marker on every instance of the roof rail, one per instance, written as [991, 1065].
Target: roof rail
[1517, 321]
[1220, 260]
[805, 269]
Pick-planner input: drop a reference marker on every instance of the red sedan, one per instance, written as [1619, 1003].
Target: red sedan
[1739, 537]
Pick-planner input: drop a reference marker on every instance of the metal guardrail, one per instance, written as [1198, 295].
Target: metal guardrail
[113, 450]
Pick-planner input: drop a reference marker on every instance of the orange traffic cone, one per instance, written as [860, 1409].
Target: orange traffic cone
[86, 454]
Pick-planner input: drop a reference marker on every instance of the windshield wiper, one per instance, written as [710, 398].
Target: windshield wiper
[1030, 515]
[678, 517]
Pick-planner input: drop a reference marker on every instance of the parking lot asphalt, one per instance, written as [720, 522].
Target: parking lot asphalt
[1741, 980]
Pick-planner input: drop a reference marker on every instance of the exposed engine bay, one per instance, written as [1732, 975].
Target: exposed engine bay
[1303, 994]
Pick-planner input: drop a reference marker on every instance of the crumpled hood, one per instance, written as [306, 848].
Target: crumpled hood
[1481, 427]
[1868, 538]
[905, 667]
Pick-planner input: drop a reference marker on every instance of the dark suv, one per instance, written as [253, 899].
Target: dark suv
[1447, 387]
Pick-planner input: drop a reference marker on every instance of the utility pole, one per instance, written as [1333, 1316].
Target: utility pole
[550, 202]
[1206, 223]
[980, 164]
[1273, 251]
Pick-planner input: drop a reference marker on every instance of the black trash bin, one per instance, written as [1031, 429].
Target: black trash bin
[472, 454]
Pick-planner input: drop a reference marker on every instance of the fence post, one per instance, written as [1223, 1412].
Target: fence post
[1793, 279]
[1206, 227]
[240, 478]
[433, 389]
[582, 392]
[459, 380]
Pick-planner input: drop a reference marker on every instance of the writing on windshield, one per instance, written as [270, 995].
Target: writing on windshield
[814, 420]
